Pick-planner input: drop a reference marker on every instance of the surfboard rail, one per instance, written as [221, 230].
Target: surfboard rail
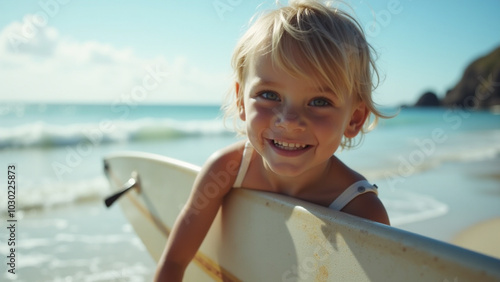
[262, 236]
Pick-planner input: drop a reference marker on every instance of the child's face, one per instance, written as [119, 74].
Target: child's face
[294, 124]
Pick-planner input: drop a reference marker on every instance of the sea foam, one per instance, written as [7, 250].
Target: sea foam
[42, 134]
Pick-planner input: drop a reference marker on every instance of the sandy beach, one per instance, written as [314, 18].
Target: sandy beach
[483, 237]
[471, 191]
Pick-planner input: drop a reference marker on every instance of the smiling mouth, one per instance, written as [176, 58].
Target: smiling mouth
[289, 146]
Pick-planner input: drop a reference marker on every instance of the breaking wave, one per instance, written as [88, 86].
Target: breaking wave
[41, 134]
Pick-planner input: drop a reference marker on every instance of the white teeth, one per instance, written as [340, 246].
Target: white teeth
[289, 146]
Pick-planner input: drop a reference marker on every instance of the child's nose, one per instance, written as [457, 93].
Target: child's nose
[290, 120]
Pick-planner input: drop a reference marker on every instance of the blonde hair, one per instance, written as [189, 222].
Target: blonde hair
[304, 38]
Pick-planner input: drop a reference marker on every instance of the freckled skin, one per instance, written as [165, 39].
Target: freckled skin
[291, 114]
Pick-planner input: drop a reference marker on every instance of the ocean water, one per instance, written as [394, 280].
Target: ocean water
[430, 165]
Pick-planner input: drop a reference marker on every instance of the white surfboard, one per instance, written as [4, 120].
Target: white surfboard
[259, 236]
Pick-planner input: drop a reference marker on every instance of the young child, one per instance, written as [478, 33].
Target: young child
[303, 89]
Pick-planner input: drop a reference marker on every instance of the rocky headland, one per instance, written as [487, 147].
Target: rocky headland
[479, 87]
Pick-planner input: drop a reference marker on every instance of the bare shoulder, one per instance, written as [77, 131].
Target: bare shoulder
[367, 205]
[232, 152]
[222, 166]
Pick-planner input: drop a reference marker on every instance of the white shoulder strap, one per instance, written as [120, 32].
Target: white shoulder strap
[245, 162]
[356, 189]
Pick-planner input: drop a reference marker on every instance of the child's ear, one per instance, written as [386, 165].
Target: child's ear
[358, 118]
[239, 102]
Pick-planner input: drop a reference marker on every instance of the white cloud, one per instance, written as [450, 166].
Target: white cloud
[38, 63]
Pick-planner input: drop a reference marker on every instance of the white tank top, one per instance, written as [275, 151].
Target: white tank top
[356, 189]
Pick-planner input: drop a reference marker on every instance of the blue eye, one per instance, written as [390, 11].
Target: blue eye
[270, 96]
[319, 102]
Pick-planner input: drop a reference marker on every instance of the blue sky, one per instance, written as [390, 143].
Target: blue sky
[179, 51]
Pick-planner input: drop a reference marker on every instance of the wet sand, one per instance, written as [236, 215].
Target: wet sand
[483, 237]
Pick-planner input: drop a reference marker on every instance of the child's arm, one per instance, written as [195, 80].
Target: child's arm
[211, 185]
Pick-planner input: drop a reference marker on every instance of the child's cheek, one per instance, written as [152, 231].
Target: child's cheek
[260, 118]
